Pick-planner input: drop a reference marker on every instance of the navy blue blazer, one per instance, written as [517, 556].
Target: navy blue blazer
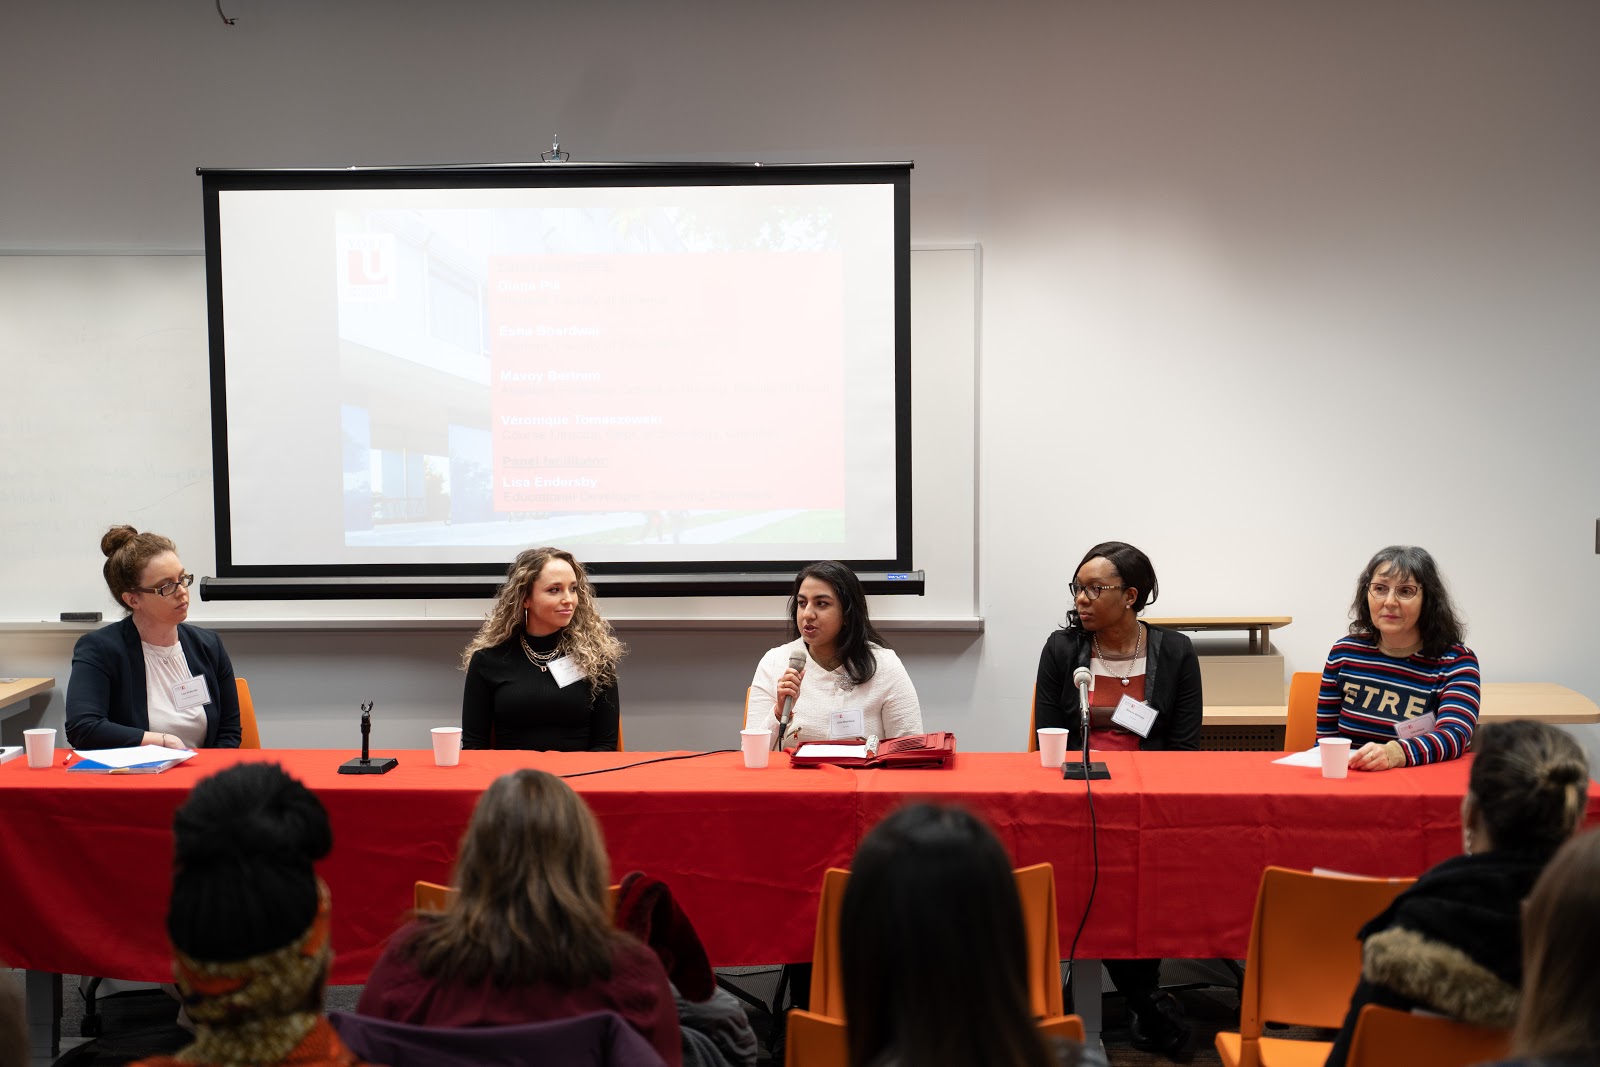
[107, 705]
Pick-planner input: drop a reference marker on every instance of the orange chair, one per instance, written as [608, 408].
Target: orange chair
[249, 735]
[1033, 720]
[1036, 888]
[620, 747]
[1388, 1038]
[818, 1041]
[431, 898]
[1300, 727]
[1304, 962]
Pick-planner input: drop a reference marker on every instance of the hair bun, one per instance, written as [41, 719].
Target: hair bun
[115, 538]
[1563, 773]
[253, 819]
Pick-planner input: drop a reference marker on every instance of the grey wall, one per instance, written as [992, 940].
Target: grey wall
[1265, 286]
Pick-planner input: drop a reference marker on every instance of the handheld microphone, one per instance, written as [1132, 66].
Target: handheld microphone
[1086, 770]
[797, 662]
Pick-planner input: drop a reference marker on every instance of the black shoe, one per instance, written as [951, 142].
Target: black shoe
[1158, 1025]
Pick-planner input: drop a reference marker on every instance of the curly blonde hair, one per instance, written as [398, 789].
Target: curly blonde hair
[587, 638]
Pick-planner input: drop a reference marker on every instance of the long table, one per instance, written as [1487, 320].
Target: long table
[1182, 839]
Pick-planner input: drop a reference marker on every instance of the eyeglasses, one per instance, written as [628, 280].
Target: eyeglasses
[1091, 591]
[182, 581]
[1381, 590]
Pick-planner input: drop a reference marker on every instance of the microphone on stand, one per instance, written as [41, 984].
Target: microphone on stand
[1079, 772]
[366, 764]
[797, 662]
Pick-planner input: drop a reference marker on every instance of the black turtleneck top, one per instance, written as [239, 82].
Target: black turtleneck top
[508, 702]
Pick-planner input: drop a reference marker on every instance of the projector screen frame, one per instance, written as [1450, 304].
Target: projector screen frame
[237, 581]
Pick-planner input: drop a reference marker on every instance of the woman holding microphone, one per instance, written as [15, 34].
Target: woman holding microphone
[837, 674]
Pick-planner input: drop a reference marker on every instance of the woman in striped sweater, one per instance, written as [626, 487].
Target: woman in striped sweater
[1402, 687]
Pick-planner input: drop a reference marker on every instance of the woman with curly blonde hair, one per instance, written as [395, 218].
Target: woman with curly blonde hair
[542, 672]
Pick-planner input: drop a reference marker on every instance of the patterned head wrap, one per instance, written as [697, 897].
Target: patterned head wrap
[256, 1010]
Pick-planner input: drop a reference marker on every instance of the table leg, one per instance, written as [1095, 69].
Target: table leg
[42, 991]
[1086, 994]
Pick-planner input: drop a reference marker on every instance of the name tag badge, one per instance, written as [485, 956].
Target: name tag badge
[190, 692]
[565, 672]
[851, 722]
[1406, 729]
[1134, 715]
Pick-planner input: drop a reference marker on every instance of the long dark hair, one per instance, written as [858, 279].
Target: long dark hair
[532, 901]
[1530, 782]
[856, 632]
[1438, 624]
[1133, 567]
[932, 948]
[1556, 1016]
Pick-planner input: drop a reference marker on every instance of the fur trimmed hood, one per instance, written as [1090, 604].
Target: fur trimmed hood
[1439, 975]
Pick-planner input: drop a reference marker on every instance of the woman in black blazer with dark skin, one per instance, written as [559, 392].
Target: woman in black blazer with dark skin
[110, 703]
[1158, 667]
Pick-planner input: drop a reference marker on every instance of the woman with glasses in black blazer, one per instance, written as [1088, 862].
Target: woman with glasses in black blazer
[151, 679]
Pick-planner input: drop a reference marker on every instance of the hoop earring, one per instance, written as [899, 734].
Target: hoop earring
[1466, 841]
[524, 618]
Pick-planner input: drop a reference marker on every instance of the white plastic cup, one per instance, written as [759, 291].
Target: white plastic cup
[41, 747]
[1052, 746]
[446, 746]
[1335, 756]
[756, 743]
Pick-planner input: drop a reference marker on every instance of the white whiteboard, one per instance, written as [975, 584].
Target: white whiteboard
[106, 419]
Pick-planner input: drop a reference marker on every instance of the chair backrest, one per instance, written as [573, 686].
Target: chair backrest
[1033, 720]
[431, 898]
[1036, 888]
[1304, 957]
[249, 734]
[827, 976]
[620, 746]
[1300, 724]
[598, 1039]
[1387, 1038]
[817, 1041]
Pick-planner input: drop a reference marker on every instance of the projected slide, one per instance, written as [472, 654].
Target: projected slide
[677, 374]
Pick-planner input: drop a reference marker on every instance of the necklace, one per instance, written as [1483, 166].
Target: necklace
[538, 659]
[1399, 653]
[1138, 639]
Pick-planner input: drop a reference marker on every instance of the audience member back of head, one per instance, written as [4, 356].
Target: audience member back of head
[932, 949]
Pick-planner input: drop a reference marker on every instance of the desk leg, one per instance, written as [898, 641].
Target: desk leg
[1086, 994]
[43, 993]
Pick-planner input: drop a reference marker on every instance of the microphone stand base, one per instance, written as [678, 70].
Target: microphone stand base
[1077, 772]
[368, 766]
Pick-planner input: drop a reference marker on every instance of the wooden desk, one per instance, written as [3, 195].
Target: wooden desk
[1259, 627]
[1247, 726]
[21, 689]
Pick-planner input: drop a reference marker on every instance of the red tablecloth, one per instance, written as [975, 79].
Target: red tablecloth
[1183, 838]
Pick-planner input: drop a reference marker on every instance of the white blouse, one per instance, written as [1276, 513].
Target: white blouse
[888, 700]
[164, 667]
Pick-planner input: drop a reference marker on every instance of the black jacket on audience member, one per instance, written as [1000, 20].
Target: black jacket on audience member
[1450, 944]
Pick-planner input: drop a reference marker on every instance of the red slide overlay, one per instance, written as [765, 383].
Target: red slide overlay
[612, 380]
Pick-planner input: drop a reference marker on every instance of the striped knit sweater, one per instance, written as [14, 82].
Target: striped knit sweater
[1365, 694]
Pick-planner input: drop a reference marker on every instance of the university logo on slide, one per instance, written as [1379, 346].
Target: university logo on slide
[367, 266]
